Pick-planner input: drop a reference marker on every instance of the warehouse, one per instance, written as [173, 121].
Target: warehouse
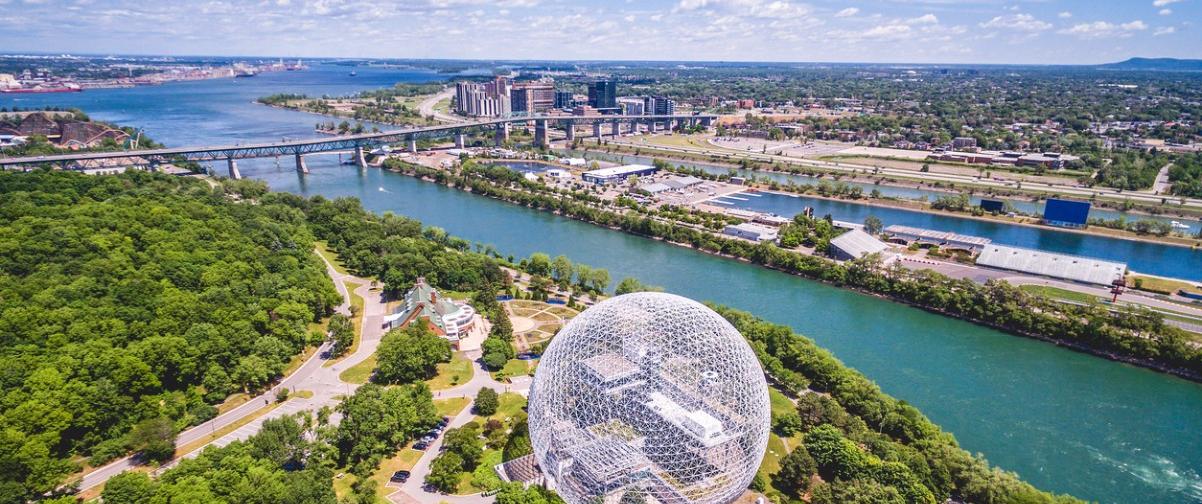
[617, 173]
[855, 244]
[943, 239]
[1067, 267]
[753, 232]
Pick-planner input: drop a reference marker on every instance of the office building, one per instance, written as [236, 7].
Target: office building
[564, 100]
[533, 97]
[603, 94]
[660, 105]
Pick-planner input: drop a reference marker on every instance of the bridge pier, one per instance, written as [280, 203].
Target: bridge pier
[707, 122]
[597, 130]
[502, 134]
[233, 167]
[300, 164]
[540, 133]
[460, 141]
[570, 131]
[360, 159]
[615, 128]
[653, 126]
[413, 145]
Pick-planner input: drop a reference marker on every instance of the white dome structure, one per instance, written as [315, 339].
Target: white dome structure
[649, 393]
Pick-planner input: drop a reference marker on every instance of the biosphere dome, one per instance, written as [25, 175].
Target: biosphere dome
[650, 393]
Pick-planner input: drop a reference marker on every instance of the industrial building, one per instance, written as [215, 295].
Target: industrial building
[1066, 267]
[943, 239]
[617, 173]
[1066, 213]
[855, 244]
[749, 231]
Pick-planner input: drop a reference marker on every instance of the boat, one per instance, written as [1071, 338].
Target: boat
[1178, 225]
[354, 73]
[67, 88]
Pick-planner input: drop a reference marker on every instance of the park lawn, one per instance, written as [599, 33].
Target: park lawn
[514, 367]
[361, 372]
[1061, 294]
[773, 455]
[678, 140]
[451, 374]
[510, 404]
[451, 406]
[356, 321]
[329, 255]
[781, 405]
[483, 478]
[443, 106]
[1161, 285]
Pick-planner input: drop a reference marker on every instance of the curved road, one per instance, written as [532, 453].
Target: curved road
[427, 107]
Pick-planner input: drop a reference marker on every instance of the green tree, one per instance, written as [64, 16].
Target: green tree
[129, 487]
[154, 438]
[795, 472]
[561, 271]
[873, 225]
[444, 472]
[496, 352]
[486, 402]
[410, 354]
[539, 264]
[465, 441]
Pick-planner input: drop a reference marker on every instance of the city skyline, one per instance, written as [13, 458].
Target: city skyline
[928, 31]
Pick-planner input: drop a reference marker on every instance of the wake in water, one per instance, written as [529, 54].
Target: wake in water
[382, 189]
[1158, 471]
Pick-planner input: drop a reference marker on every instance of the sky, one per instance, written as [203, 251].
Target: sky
[885, 31]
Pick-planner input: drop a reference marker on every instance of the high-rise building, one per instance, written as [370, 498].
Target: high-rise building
[660, 105]
[603, 94]
[632, 106]
[488, 99]
[533, 97]
[564, 100]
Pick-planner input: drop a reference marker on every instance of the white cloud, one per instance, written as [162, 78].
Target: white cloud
[1165, 12]
[848, 12]
[1165, 30]
[1103, 29]
[1162, 3]
[923, 19]
[1065, 15]
[1019, 22]
[887, 32]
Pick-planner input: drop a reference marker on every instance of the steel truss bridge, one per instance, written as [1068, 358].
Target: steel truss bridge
[152, 158]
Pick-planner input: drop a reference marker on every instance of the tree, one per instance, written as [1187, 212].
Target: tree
[445, 471]
[129, 487]
[410, 354]
[377, 420]
[795, 472]
[486, 402]
[629, 285]
[599, 280]
[873, 225]
[465, 441]
[496, 352]
[787, 424]
[154, 438]
[342, 333]
[561, 271]
[519, 441]
[539, 264]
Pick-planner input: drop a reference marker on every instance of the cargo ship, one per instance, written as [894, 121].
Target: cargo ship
[65, 88]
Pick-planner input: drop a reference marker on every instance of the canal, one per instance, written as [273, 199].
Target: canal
[1067, 422]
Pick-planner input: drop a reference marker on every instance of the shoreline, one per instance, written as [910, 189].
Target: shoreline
[915, 206]
[1111, 356]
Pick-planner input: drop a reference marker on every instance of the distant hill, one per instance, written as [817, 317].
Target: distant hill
[1156, 64]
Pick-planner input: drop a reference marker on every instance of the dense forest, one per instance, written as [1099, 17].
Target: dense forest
[134, 299]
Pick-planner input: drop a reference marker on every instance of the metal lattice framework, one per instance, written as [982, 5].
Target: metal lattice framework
[649, 392]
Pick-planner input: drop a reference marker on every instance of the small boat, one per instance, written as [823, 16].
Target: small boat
[354, 73]
[1178, 225]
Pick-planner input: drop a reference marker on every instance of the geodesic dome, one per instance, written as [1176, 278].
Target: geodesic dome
[650, 393]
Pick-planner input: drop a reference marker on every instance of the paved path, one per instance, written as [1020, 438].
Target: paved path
[1162, 184]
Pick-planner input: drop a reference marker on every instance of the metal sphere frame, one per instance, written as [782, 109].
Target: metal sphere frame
[649, 393]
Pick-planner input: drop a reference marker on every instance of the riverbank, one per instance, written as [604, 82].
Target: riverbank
[1054, 315]
[918, 206]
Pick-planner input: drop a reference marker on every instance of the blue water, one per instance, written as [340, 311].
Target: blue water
[1065, 421]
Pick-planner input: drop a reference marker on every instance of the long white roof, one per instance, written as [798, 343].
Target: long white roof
[857, 243]
[1038, 262]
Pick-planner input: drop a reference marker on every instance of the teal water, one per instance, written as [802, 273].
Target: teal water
[1065, 421]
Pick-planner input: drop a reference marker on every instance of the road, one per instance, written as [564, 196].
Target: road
[1162, 184]
[427, 107]
[1083, 192]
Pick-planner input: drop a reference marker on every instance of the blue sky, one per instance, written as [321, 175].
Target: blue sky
[938, 31]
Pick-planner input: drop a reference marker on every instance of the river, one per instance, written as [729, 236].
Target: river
[1065, 421]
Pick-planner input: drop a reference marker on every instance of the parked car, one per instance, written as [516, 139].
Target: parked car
[399, 477]
[421, 446]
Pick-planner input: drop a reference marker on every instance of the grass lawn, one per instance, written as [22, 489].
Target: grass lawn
[443, 106]
[483, 478]
[511, 403]
[781, 404]
[233, 401]
[451, 406]
[361, 372]
[773, 455]
[404, 460]
[356, 322]
[1058, 293]
[1160, 285]
[450, 374]
[514, 367]
[329, 255]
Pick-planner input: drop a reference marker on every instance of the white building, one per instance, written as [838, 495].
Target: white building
[749, 231]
